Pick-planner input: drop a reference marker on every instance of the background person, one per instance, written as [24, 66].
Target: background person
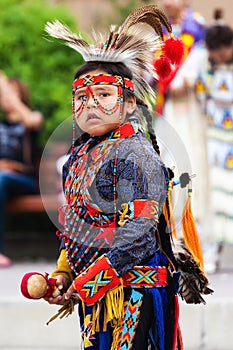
[177, 104]
[214, 89]
[18, 134]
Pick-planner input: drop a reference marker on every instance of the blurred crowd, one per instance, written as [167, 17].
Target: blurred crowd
[197, 102]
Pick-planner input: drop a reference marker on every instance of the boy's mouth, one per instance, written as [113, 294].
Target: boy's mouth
[92, 116]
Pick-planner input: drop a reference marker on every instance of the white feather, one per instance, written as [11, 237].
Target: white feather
[136, 49]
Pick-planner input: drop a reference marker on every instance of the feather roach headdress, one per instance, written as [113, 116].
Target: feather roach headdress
[129, 44]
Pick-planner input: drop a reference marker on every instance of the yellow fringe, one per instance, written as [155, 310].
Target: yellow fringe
[190, 232]
[96, 317]
[170, 218]
[116, 337]
[114, 306]
[113, 310]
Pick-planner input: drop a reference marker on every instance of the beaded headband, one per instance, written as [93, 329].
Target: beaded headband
[103, 79]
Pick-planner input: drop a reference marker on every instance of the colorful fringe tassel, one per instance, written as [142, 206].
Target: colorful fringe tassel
[190, 232]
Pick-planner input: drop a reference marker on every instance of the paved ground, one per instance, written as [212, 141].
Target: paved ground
[22, 321]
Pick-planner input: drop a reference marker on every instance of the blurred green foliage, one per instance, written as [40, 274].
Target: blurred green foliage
[121, 9]
[124, 8]
[44, 64]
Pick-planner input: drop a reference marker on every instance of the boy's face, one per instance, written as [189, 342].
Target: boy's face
[222, 55]
[91, 118]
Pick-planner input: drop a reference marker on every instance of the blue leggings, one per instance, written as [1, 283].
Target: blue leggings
[12, 185]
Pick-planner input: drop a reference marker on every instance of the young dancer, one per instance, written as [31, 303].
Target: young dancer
[116, 252]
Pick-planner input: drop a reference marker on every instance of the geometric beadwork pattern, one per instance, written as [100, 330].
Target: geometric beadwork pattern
[98, 278]
[131, 319]
[146, 276]
[99, 281]
[102, 79]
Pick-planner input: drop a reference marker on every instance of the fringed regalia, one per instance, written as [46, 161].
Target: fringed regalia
[116, 246]
[123, 278]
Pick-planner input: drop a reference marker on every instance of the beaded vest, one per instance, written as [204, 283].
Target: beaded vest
[84, 220]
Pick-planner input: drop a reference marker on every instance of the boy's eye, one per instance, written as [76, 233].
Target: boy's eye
[104, 94]
[81, 97]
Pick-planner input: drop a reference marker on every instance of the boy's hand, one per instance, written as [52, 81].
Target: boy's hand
[69, 292]
[62, 285]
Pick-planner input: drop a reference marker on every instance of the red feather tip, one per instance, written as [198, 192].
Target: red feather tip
[163, 67]
[174, 49]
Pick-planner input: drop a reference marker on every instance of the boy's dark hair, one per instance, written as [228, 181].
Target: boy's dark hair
[218, 35]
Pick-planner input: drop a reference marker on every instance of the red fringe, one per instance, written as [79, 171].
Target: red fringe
[177, 340]
[180, 340]
[176, 324]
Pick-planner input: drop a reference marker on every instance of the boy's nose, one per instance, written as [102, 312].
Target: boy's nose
[90, 101]
[90, 98]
